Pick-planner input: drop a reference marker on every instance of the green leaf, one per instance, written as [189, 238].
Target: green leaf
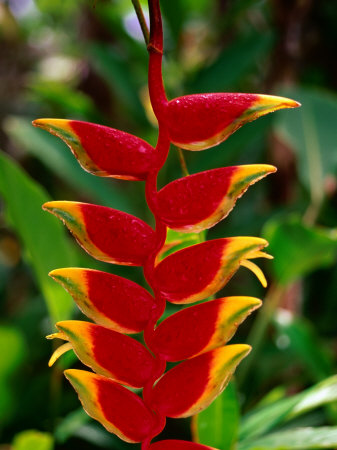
[264, 419]
[116, 71]
[13, 349]
[299, 248]
[233, 63]
[217, 426]
[70, 424]
[33, 440]
[64, 98]
[311, 132]
[300, 438]
[13, 352]
[304, 345]
[44, 238]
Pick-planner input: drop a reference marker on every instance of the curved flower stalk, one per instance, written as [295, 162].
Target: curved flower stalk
[197, 336]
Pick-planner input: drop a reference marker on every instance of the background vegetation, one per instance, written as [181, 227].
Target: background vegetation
[86, 60]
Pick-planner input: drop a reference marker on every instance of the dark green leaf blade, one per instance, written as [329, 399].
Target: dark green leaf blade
[44, 238]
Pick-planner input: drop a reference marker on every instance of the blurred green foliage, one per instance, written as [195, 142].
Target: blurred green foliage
[86, 59]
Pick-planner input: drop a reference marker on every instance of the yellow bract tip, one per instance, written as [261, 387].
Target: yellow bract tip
[256, 270]
[273, 102]
[59, 352]
[62, 124]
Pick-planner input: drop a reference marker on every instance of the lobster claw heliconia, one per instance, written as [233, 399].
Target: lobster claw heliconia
[197, 336]
[200, 121]
[124, 156]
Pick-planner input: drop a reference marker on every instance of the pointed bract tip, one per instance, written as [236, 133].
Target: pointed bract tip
[75, 375]
[270, 103]
[47, 123]
[247, 241]
[60, 207]
[252, 302]
[63, 272]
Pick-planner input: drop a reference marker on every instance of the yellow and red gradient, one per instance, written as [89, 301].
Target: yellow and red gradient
[178, 445]
[200, 328]
[200, 121]
[197, 202]
[192, 385]
[109, 353]
[201, 270]
[119, 410]
[103, 151]
[105, 233]
[107, 299]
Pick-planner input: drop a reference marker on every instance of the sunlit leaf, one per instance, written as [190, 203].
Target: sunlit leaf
[218, 424]
[33, 440]
[297, 438]
[265, 418]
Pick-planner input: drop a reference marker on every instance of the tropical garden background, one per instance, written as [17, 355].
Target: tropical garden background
[86, 60]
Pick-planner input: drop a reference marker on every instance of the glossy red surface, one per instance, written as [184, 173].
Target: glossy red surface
[198, 117]
[121, 300]
[124, 409]
[182, 386]
[192, 199]
[189, 271]
[187, 332]
[114, 151]
[125, 238]
[127, 359]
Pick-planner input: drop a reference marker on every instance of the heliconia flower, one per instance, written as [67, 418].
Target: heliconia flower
[199, 201]
[119, 410]
[105, 233]
[200, 328]
[102, 150]
[192, 385]
[201, 270]
[200, 121]
[107, 299]
[178, 445]
[196, 335]
[108, 352]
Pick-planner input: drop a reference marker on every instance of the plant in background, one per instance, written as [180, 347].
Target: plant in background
[196, 337]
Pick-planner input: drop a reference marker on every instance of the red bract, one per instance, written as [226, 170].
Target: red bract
[199, 201]
[109, 300]
[105, 233]
[197, 335]
[109, 353]
[200, 121]
[124, 156]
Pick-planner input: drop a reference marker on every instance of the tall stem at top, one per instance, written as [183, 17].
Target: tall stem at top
[155, 49]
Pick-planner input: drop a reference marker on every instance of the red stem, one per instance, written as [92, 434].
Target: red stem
[155, 48]
[159, 103]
